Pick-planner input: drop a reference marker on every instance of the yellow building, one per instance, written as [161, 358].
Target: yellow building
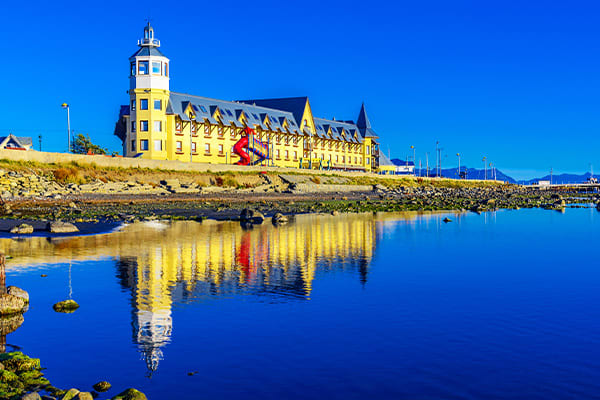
[163, 125]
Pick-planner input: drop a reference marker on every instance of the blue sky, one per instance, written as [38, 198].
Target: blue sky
[514, 81]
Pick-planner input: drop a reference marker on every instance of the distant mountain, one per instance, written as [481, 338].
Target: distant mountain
[560, 179]
[471, 173]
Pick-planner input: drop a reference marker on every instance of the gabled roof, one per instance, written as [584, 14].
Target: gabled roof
[336, 129]
[15, 141]
[295, 105]
[384, 161]
[363, 123]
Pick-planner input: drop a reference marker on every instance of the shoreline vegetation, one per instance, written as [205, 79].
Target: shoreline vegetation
[39, 198]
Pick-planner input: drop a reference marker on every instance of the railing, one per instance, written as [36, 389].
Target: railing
[145, 42]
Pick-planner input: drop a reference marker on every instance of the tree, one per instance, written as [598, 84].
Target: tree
[82, 144]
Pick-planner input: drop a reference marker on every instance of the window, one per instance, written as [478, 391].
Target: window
[220, 149]
[157, 126]
[132, 126]
[166, 69]
[178, 146]
[287, 155]
[343, 159]
[133, 68]
[368, 148]
[287, 140]
[220, 131]
[158, 104]
[355, 160]
[232, 132]
[144, 145]
[194, 147]
[337, 159]
[295, 155]
[133, 145]
[207, 148]
[330, 158]
[158, 145]
[143, 68]
[277, 153]
[132, 105]
[206, 130]
[144, 126]
[143, 104]
[368, 161]
[178, 126]
[156, 67]
[193, 128]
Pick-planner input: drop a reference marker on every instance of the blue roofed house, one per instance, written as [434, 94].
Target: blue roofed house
[12, 142]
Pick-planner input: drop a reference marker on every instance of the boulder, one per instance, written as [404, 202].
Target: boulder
[31, 396]
[22, 229]
[252, 216]
[16, 291]
[66, 306]
[11, 304]
[102, 386]
[61, 227]
[10, 323]
[70, 394]
[130, 394]
[279, 219]
[83, 396]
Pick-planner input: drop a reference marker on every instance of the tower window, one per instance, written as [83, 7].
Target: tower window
[158, 104]
[132, 105]
[144, 144]
[156, 67]
[133, 68]
[166, 69]
[143, 68]
[178, 145]
[157, 126]
[133, 145]
[143, 104]
[133, 126]
[158, 145]
[144, 126]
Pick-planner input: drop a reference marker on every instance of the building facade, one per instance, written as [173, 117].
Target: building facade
[163, 125]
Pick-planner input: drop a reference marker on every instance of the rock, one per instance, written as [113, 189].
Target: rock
[45, 397]
[15, 291]
[11, 304]
[130, 394]
[102, 386]
[83, 396]
[446, 220]
[279, 219]
[10, 323]
[70, 394]
[334, 213]
[61, 227]
[31, 396]
[66, 306]
[252, 216]
[18, 362]
[22, 229]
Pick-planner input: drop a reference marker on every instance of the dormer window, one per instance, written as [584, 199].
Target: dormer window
[143, 68]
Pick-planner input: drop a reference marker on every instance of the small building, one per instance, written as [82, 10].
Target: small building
[542, 183]
[12, 142]
[405, 167]
[386, 166]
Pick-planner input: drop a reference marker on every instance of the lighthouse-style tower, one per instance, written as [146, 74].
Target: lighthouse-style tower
[149, 95]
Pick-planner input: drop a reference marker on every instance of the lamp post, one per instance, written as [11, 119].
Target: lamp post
[427, 164]
[458, 155]
[414, 160]
[484, 169]
[40, 139]
[65, 105]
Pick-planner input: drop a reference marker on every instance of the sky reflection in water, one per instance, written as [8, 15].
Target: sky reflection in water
[498, 305]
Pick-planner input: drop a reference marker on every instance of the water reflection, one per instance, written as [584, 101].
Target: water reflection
[162, 263]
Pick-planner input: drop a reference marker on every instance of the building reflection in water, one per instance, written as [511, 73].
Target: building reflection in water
[166, 263]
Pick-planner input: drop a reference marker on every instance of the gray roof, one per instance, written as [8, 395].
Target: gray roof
[21, 140]
[294, 105]
[147, 51]
[384, 161]
[230, 111]
[336, 128]
[364, 124]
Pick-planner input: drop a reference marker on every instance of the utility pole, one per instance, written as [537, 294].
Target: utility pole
[40, 139]
[484, 169]
[427, 164]
[437, 154]
[458, 155]
[420, 168]
[551, 172]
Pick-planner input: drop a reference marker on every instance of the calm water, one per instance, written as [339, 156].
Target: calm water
[501, 305]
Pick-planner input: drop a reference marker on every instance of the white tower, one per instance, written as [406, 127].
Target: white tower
[149, 67]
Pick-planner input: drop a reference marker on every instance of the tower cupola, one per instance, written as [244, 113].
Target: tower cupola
[149, 40]
[149, 67]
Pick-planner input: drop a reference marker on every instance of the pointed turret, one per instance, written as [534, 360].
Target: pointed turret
[363, 123]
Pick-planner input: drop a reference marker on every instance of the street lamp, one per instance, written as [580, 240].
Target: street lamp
[484, 169]
[458, 155]
[414, 160]
[65, 105]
